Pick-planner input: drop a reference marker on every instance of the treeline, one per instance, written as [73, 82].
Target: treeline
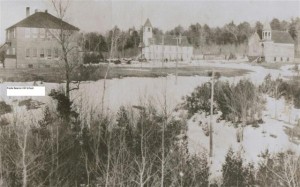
[140, 146]
[128, 42]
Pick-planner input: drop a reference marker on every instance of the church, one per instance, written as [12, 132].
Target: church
[272, 46]
[164, 47]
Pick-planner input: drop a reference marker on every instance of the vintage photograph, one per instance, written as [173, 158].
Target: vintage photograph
[170, 93]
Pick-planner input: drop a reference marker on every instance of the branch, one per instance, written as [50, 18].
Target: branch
[77, 86]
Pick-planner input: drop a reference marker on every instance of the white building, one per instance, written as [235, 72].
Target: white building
[165, 47]
[273, 46]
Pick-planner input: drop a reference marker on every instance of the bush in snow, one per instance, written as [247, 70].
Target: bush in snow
[4, 108]
[199, 100]
[205, 129]
[279, 88]
[235, 172]
[3, 122]
[281, 169]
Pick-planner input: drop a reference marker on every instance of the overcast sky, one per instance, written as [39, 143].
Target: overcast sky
[96, 15]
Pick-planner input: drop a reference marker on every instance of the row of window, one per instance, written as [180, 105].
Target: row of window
[41, 33]
[34, 33]
[281, 59]
[170, 56]
[170, 48]
[267, 35]
[42, 53]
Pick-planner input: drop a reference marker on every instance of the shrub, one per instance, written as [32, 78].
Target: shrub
[64, 105]
[279, 88]
[281, 169]
[30, 104]
[4, 108]
[240, 102]
[92, 58]
[199, 100]
[3, 122]
[235, 173]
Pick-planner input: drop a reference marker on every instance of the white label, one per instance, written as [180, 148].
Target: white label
[25, 90]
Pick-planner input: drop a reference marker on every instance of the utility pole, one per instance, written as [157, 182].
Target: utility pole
[211, 124]
[176, 70]
[176, 73]
[211, 116]
[163, 51]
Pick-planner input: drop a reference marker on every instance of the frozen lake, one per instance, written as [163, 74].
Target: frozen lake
[134, 90]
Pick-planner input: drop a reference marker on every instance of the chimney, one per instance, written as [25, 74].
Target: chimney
[36, 10]
[46, 11]
[27, 11]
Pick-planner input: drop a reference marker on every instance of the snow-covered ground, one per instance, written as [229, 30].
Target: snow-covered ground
[269, 135]
[132, 91]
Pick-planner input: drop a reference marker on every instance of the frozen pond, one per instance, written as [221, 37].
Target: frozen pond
[134, 90]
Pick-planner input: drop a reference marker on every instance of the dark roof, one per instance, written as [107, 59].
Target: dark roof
[168, 40]
[148, 23]
[44, 20]
[281, 37]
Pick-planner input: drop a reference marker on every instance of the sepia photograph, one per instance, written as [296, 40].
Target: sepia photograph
[148, 93]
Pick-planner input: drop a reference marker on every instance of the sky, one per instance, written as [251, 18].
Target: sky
[102, 15]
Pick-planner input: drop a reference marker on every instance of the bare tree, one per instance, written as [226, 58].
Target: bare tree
[67, 40]
[282, 169]
[3, 49]
[114, 39]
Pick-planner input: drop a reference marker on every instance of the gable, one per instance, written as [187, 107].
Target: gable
[44, 20]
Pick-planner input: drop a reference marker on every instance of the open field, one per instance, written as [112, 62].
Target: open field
[92, 73]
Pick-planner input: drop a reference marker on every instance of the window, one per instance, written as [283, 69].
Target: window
[288, 59]
[34, 32]
[27, 32]
[56, 53]
[14, 33]
[27, 53]
[42, 53]
[275, 59]
[13, 51]
[42, 32]
[269, 34]
[149, 29]
[54, 33]
[49, 53]
[34, 52]
[49, 36]
[7, 51]
[8, 35]
[281, 59]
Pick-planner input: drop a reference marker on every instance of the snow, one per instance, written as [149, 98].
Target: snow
[269, 135]
[133, 91]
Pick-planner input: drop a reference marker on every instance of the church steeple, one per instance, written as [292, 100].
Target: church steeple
[267, 31]
[147, 32]
[148, 23]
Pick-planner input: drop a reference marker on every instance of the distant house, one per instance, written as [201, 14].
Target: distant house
[273, 46]
[33, 41]
[164, 47]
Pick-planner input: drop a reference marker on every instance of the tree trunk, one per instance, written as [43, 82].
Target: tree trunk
[108, 161]
[24, 165]
[163, 155]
